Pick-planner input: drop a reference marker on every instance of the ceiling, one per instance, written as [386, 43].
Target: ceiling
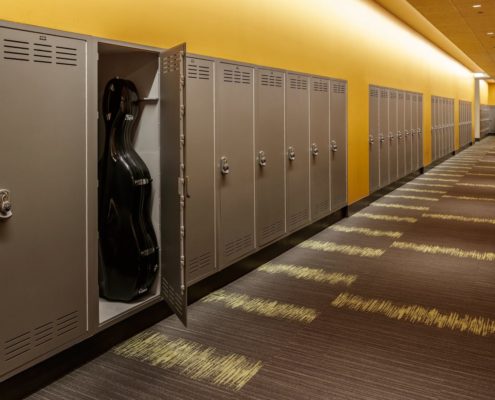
[465, 26]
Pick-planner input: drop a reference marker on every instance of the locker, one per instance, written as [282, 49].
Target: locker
[374, 153]
[442, 127]
[43, 238]
[401, 142]
[420, 131]
[434, 123]
[200, 162]
[269, 155]
[319, 130]
[407, 130]
[235, 148]
[383, 139]
[297, 154]
[338, 144]
[414, 132]
[452, 132]
[392, 136]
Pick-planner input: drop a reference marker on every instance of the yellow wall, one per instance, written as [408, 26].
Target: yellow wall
[355, 40]
[484, 92]
[491, 94]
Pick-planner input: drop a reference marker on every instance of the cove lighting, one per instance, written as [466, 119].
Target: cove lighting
[476, 5]
[490, 33]
[480, 75]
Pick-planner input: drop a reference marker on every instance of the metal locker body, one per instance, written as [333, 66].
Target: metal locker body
[43, 163]
[401, 140]
[414, 131]
[200, 169]
[319, 111]
[296, 151]
[433, 128]
[269, 155]
[392, 136]
[444, 127]
[420, 131]
[373, 139]
[234, 159]
[338, 144]
[408, 136]
[382, 136]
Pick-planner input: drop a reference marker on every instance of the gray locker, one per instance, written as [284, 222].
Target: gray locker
[338, 144]
[374, 152]
[401, 141]
[433, 128]
[420, 131]
[392, 136]
[383, 140]
[43, 162]
[235, 164]
[269, 155]
[414, 132]
[319, 131]
[200, 163]
[297, 154]
[407, 130]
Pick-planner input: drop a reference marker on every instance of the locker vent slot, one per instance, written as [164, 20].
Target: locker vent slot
[239, 245]
[200, 262]
[338, 87]
[171, 63]
[271, 80]
[236, 76]
[298, 83]
[299, 218]
[401, 95]
[320, 86]
[384, 94]
[269, 230]
[66, 56]
[31, 340]
[393, 95]
[15, 50]
[323, 207]
[43, 53]
[195, 71]
[373, 92]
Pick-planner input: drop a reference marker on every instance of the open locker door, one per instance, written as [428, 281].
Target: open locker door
[172, 169]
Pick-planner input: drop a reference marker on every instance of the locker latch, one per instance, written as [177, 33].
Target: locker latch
[333, 146]
[391, 136]
[291, 153]
[382, 138]
[224, 166]
[314, 150]
[406, 132]
[5, 204]
[372, 139]
[399, 135]
[262, 158]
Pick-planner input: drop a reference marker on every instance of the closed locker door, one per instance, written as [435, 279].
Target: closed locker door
[392, 136]
[373, 140]
[434, 121]
[414, 131]
[408, 132]
[297, 155]
[441, 128]
[383, 140]
[451, 121]
[401, 141]
[319, 131]
[235, 164]
[338, 145]
[420, 131]
[269, 155]
[43, 168]
[201, 171]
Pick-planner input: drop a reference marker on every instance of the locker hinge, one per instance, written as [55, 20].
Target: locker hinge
[182, 111]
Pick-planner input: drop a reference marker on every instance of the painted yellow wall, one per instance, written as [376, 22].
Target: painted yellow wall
[355, 40]
[491, 94]
[484, 92]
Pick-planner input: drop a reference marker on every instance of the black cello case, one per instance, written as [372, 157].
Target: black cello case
[129, 253]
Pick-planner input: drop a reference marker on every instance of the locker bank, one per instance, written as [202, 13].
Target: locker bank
[246, 200]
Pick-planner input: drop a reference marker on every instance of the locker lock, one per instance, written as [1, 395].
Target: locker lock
[399, 135]
[391, 136]
[413, 132]
[291, 153]
[382, 138]
[333, 146]
[406, 132]
[372, 139]
[5, 204]
[262, 158]
[314, 149]
[419, 131]
[224, 166]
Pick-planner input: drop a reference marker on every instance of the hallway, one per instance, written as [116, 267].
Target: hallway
[395, 302]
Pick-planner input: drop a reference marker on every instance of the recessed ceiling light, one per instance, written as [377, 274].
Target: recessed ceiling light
[490, 33]
[476, 5]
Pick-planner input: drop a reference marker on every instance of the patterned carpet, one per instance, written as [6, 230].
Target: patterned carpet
[395, 302]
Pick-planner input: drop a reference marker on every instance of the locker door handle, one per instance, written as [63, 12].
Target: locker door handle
[413, 132]
[314, 150]
[407, 133]
[333, 146]
[391, 136]
[382, 139]
[291, 153]
[399, 135]
[372, 140]
[224, 166]
[262, 158]
[5, 204]
[419, 131]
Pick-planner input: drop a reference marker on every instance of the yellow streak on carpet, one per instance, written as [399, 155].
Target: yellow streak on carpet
[348, 249]
[448, 251]
[403, 189]
[194, 360]
[469, 198]
[480, 174]
[392, 205]
[400, 196]
[309, 274]
[438, 174]
[417, 314]
[437, 179]
[476, 185]
[382, 217]
[460, 218]
[430, 184]
[365, 231]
